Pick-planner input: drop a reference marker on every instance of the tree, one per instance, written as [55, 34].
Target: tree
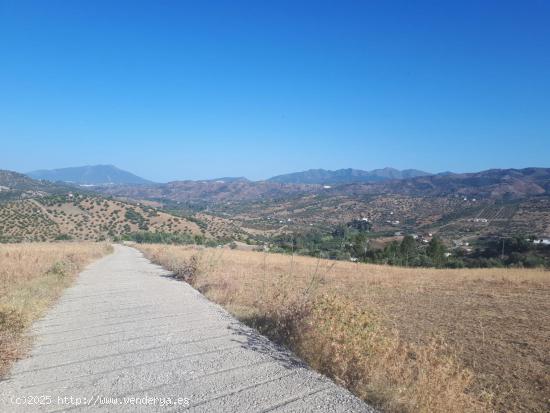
[436, 251]
[407, 249]
[360, 225]
[359, 245]
[392, 253]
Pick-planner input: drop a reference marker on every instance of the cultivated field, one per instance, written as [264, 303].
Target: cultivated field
[404, 339]
[32, 276]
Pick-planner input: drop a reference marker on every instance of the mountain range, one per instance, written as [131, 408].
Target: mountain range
[89, 175]
[515, 201]
[111, 175]
[345, 176]
[493, 183]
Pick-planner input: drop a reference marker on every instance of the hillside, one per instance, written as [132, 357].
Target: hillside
[32, 210]
[208, 192]
[451, 217]
[14, 185]
[83, 217]
[89, 175]
[487, 203]
[493, 183]
[345, 176]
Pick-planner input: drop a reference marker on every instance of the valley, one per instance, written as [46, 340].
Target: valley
[467, 212]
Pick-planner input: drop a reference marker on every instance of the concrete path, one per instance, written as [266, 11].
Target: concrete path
[127, 337]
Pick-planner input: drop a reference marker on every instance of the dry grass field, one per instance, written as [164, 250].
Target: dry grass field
[406, 340]
[32, 276]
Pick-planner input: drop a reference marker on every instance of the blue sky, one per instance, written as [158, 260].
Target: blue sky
[192, 90]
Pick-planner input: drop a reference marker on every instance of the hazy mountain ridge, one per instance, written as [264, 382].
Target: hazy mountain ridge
[349, 175]
[494, 183]
[229, 179]
[89, 175]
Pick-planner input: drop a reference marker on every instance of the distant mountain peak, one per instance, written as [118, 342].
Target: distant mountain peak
[89, 175]
[228, 179]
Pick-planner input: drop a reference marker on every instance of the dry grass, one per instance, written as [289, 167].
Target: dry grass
[31, 277]
[407, 340]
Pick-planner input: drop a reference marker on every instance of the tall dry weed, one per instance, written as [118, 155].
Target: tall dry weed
[350, 345]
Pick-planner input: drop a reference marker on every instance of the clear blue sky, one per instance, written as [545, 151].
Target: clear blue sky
[174, 90]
